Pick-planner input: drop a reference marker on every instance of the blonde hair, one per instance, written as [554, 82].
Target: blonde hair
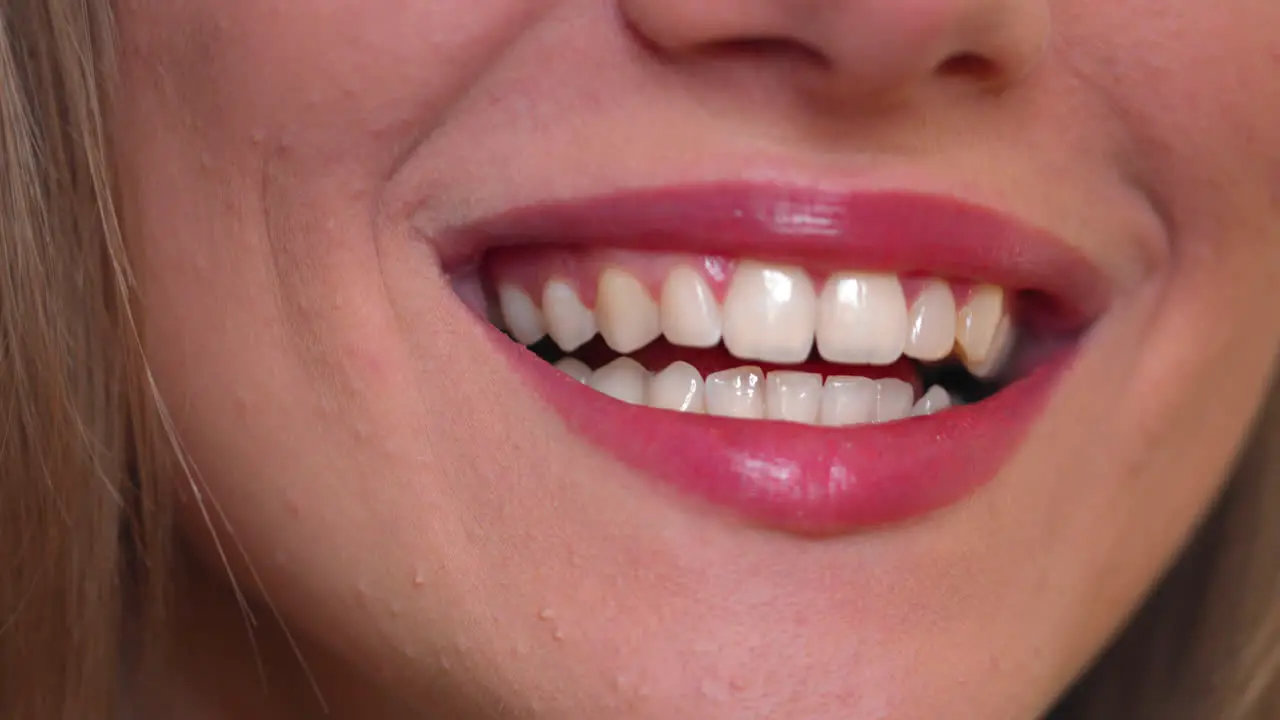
[81, 536]
[84, 516]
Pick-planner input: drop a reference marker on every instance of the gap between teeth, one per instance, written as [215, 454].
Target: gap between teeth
[748, 393]
[772, 314]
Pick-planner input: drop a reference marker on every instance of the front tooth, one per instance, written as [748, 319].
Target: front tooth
[862, 319]
[932, 325]
[623, 379]
[1001, 348]
[793, 396]
[575, 369]
[895, 399]
[522, 317]
[935, 399]
[770, 313]
[626, 315]
[569, 323]
[848, 401]
[690, 316]
[977, 323]
[679, 387]
[736, 393]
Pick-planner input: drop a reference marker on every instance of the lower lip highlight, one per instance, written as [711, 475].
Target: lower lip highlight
[800, 478]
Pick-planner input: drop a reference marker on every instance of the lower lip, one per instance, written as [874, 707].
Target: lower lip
[799, 478]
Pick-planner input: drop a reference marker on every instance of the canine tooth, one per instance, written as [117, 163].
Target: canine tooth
[977, 322]
[679, 387]
[895, 399]
[794, 396]
[1001, 348]
[935, 399]
[623, 379]
[569, 323]
[689, 314]
[932, 326]
[736, 393]
[770, 313]
[522, 316]
[862, 319]
[848, 401]
[626, 315]
[575, 369]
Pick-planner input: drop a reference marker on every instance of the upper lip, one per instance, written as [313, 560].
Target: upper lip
[889, 230]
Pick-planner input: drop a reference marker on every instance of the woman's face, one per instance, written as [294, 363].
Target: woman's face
[316, 196]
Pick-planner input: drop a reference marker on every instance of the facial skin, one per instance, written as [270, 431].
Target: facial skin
[287, 165]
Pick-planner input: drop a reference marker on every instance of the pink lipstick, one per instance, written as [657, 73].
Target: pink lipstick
[782, 454]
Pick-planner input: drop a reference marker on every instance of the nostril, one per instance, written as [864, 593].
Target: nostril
[969, 66]
[723, 30]
[781, 48]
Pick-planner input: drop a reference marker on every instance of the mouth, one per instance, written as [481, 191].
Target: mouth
[814, 362]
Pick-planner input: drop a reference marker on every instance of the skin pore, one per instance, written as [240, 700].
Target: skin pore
[436, 540]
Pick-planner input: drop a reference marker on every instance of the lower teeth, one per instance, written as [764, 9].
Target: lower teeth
[747, 392]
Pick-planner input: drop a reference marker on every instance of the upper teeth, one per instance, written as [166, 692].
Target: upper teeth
[862, 319]
[770, 314]
[689, 313]
[569, 323]
[773, 314]
[627, 315]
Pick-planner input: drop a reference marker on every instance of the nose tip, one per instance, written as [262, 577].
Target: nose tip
[862, 46]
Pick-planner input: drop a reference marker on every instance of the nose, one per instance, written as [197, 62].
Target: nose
[859, 47]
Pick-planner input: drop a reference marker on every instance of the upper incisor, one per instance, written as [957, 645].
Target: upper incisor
[862, 319]
[690, 315]
[770, 313]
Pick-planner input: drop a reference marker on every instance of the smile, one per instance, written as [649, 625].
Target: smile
[809, 361]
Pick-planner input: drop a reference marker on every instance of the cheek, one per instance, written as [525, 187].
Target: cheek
[354, 82]
[256, 139]
[259, 139]
[1192, 92]
[1192, 86]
